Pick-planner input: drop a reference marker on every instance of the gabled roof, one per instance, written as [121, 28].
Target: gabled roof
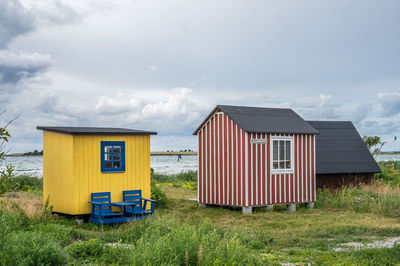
[264, 120]
[341, 150]
[96, 131]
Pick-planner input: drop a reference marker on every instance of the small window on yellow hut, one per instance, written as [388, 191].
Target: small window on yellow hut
[113, 156]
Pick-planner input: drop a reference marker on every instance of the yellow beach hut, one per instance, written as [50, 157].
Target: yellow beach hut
[78, 161]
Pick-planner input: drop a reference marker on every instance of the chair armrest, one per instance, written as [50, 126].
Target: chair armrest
[151, 200]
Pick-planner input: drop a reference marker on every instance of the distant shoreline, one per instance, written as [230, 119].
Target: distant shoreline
[153, 153]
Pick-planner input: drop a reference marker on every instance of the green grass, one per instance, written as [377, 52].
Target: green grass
[181, 233]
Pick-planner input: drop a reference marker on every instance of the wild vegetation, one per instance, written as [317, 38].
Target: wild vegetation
[181, 233]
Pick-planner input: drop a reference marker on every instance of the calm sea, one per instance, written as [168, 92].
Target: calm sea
[33, 165]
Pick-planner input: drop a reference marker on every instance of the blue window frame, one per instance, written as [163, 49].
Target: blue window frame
[113, 156]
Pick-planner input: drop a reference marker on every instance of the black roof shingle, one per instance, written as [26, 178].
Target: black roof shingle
[264, 120]
[341, 150]
[96, 131]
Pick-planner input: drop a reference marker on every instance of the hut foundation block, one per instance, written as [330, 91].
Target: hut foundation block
[202, 205]
[291, 207]
[269, 207]
[310, 205]
[247, 210]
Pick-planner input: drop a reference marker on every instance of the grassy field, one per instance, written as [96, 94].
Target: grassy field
[181, 233]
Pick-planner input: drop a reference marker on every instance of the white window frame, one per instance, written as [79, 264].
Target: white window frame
[282, 171]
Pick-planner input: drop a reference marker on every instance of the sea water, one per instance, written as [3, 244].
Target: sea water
[167, 164]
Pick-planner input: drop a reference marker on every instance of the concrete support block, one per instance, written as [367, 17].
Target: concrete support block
[202, 205]
[310, 205]
[79, 221]
[269, 207]
[291, 207]
[247, 210]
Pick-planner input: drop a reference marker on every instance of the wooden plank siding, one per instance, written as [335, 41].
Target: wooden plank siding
[72, 169]
[233, 171]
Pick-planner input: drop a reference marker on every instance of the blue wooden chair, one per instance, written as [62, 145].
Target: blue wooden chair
[101, 209]
[139, 204]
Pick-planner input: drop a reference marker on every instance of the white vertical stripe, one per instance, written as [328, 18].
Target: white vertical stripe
[270, 170]
[246, 167]
[251, 170]
[227, 162]
[262, 177]
[301, 168]
[311, 174]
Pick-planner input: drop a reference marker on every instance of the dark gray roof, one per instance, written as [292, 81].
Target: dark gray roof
[96, 131]
[264, 120]
[341, 150]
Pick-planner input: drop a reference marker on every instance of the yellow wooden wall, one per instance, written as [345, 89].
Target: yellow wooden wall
[58, 170]
[76, 174]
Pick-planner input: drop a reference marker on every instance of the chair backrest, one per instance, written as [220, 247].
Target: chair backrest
[102, 197]
[133, 196]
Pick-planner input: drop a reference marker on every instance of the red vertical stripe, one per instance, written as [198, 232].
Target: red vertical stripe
[221, 176]
[249, 168]
[200, 167]
[263, 176]
[225, 159]
[308, 168]
[243, 163]
[229, 155]
[212, 177]
[268, 193]
[312, 169]
[304, 167]
[208, 162]
[254, 168]
[235, 185]
[239, 167]
[204, 166]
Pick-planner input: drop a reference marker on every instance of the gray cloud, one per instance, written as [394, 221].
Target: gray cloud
[390, 103]
[361, 113]
[17, 66]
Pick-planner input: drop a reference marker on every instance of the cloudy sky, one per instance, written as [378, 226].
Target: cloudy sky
[163, 65]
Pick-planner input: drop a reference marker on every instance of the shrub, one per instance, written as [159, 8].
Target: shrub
[184, 176]
[20, 183]
[160, 197]
[32, 248]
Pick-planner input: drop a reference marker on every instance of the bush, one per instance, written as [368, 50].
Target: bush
[187, 176]
[390, 173]
[32, 248]
[160, 197]
[20, 183]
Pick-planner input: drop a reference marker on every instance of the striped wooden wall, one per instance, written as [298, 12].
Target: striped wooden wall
[235, 172]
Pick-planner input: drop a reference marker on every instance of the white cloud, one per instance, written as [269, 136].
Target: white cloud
[361, 113]
[322, 107]
[152, 68]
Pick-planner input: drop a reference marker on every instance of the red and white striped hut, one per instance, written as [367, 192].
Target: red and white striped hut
[253, 157]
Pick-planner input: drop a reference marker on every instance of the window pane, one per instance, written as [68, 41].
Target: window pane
[117, 148]
[281, 150]
[107, 148]
[288, 150]
[275, 150]
[117, 164]
[275, 165]
[108, 164]
[281, 165]
[288, 165]
[117, 156]
[108, 157]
